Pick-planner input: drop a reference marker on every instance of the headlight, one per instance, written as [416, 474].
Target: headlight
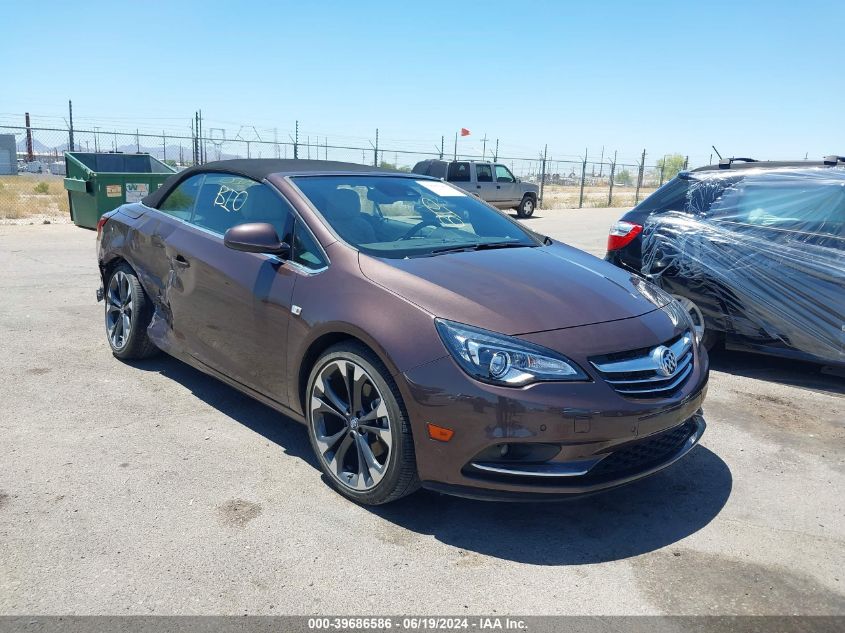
[504, 360]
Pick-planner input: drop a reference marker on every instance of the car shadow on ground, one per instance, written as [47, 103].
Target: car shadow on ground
[781, 370]
[634, 519]
[276, 427]
[628, 521]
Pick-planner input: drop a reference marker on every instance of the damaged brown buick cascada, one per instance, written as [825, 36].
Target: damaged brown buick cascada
[423, 337]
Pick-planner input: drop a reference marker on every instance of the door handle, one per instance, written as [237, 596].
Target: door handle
[478, 186]
[498, 186]
[181, 261]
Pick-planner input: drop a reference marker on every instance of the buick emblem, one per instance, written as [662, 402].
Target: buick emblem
[665, 360]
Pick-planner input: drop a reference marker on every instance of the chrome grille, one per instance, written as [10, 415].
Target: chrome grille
[649, 373]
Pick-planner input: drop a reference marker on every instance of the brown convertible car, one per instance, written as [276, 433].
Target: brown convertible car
[422, 336]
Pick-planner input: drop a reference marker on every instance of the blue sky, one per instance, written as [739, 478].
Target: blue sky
[754, 78]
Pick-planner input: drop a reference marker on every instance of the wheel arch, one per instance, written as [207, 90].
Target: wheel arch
[323, 341]
[109, 265]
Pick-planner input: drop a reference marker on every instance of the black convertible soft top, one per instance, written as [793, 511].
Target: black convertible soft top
[259, 168]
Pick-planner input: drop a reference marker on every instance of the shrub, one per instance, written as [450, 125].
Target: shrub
[42, 187]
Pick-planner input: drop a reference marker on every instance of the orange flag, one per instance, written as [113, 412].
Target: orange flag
[464, 131]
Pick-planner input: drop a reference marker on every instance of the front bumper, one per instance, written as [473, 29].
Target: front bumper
[592, 481]
[566, 438]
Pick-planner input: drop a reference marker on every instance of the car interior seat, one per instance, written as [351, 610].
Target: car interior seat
[343, 210]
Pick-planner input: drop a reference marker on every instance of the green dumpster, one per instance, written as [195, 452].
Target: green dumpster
[99, 182]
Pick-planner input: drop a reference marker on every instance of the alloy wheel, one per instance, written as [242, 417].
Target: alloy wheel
[119, 310]
[351, 425]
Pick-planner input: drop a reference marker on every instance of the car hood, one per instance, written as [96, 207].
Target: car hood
[513, 290]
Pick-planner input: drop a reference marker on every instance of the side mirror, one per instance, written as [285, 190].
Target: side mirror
[256, 237]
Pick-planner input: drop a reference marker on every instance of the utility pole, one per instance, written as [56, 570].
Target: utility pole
[29, 155]
[202, 141]
[612, 174]
[456, 145]
[601, 162]
[483, 146]
[375, 151]
[640, 178]
[296, 141]
[543, 173]
[496, 155]
[583, 177]
[442, 142]
[163, 147]
[137, 142]
[70, 125]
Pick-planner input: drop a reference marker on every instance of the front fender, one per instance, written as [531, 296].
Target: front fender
[337, 303]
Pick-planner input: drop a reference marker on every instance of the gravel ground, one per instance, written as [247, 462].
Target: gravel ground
[151, 488]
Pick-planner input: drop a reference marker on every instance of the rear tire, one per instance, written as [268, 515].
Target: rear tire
[358, 426]
[128, 313]
[526, 207]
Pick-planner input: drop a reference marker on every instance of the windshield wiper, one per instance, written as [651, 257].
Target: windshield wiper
[483, 246]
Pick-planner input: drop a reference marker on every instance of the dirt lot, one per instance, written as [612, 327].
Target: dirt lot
[567, 196]
[151, 488]
[33, 197]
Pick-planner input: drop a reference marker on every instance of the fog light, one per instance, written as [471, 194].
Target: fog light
[499, 364]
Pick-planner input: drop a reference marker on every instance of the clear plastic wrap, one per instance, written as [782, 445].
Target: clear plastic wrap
[766, 248]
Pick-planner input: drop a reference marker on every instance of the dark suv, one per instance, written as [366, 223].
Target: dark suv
[755, 251]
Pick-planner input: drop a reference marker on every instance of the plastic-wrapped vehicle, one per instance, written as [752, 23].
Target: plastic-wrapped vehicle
[755, 251]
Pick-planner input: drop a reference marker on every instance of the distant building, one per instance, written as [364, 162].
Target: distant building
[8, 155]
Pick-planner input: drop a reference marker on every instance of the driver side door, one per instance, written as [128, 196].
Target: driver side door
[232, 308]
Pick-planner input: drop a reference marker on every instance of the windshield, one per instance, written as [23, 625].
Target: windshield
[400, 217]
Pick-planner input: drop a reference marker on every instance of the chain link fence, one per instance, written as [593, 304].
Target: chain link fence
[33, 187]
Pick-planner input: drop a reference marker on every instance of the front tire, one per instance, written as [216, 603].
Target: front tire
[358, 426]
[526, 207]
[128, 313]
